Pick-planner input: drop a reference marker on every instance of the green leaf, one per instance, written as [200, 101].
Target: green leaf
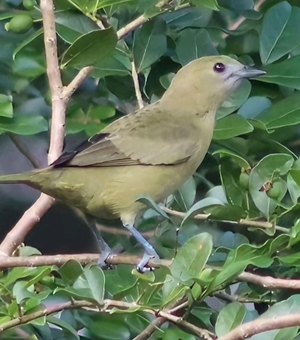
[91, 283]
[65, 326]
[22, 292]
[229, 177]
[293, 185]
[106, 3]
[254, 106]
[236, 99]
[117, 64]
[90, 48]
[172, 290]
[79, 121]
[192, 44]
[227, 212]
[231, 126]
[24, 125]
[101, 112]
[88, 7]
[196, 17]
[27, 42]
[290, 260]
[280, 32]
[266, 170]
[230, 317]
[237, 6]
[70, 271]
[186, 194]
[29, 64]
[29, 251]
[200, 205]
[151, 204]
[294, 234]
[192, 257]
[238, 259]
[39, 274]
[6, 107]
[109, 329]
[212, 4]
[119, 281]
[285, 73]
[286, 112]
[16, 274]
[224, 153]
[70, 26]
[150, 43]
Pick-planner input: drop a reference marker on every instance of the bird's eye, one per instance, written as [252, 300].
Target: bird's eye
[219, 67]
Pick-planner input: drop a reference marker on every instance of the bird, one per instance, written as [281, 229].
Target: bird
[149, 152]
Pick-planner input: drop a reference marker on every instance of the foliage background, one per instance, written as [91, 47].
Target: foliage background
[256, 135]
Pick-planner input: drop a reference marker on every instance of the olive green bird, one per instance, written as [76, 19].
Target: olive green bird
[150, 152]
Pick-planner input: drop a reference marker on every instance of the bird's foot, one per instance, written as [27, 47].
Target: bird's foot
[143, 265]
[103, 259]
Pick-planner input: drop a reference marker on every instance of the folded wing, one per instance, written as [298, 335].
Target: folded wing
[149, 136]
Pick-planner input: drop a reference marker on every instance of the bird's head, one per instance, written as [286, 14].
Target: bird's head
[222, 71]
[210, 79]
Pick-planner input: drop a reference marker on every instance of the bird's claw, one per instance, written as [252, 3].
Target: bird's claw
[102, 262]
[143, 266]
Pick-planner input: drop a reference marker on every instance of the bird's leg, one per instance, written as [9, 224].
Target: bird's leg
[103, 248]
[149, 253]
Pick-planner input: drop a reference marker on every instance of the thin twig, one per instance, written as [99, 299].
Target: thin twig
[134, 24]
[154, 326]
[136, 84]
[241, 222]
[234, 26]
[199, 332]
[236, 298]
[261, 325]
[77, 81]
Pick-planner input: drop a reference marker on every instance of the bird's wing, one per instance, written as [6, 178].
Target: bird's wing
[149, 136]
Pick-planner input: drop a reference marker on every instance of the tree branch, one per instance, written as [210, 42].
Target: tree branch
[261, 325]
[59, 260]
[41, 206]
[269, 282]
[64, 306]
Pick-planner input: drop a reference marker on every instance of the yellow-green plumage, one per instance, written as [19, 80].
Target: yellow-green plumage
[151, 152]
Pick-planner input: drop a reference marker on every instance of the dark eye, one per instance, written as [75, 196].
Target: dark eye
[219, 67]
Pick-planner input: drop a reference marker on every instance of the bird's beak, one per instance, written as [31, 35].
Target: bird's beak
[249, 72]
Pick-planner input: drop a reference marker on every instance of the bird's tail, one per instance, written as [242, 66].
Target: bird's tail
[25, 178]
